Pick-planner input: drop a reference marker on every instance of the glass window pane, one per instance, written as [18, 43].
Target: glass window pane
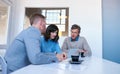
[52, 16]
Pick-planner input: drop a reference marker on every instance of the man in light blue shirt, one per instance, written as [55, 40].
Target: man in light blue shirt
[25, 49]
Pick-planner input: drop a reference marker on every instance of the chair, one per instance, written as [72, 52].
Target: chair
[3, 65]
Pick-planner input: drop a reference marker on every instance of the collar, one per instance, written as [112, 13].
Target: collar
[76, 39]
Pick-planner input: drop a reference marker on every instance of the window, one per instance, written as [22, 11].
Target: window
[58, 16]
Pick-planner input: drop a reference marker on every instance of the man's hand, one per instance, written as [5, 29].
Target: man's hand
[82, 50]
[59, 57]
[64, 55]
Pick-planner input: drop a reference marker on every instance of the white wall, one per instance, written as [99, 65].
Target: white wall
[16, 19]
[86, 13]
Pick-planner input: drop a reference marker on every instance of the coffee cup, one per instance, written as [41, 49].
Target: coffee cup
[75, 58]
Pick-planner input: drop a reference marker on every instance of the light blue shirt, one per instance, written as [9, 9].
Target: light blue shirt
[50, 46]
[25, 50]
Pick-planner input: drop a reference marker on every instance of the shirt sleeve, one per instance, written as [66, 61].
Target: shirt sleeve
[87, 47]
[35, 56]
[65, 46]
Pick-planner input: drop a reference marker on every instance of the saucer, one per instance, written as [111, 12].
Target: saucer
[76, 62]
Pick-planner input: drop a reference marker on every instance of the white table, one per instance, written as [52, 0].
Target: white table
[91, 65]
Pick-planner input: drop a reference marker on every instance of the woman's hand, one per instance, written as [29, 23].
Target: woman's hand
[59, 57]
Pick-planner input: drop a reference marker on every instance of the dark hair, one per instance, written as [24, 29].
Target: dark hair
[51, 28]
[75, 26]
[34, 18]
